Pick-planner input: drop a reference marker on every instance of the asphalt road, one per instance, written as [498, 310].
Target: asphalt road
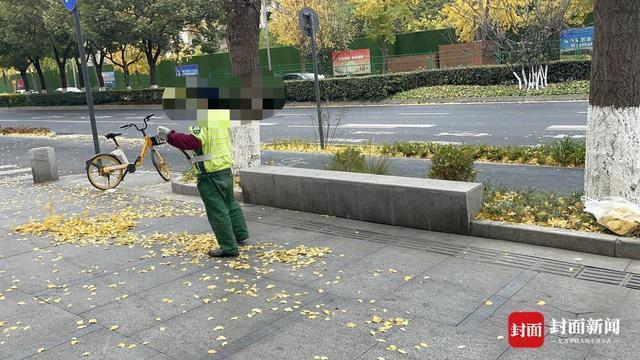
[498, 124]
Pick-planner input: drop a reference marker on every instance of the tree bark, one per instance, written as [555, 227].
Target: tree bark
[152, 54]
[243, 36]
[25, 78]
[61, 61]
[613, 130]
[97, 65]
[80, 73]
[43, 82]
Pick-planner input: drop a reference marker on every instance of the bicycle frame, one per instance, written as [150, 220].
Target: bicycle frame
[148, 144]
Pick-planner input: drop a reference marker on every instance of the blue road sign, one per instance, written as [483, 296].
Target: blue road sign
[70, 4]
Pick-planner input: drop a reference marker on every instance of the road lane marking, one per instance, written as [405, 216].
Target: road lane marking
[562, 136]
[82, 122]
[373, 133]
[583, 112]
[5, 167]
[371, 126]
[567, 128]
[463, 134]
[348, 140]
[14, 172]
[386, 126]
[267, 124]
[423, 113]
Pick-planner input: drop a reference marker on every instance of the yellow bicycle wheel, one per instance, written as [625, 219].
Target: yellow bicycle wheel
[161, 165]
[98, 177]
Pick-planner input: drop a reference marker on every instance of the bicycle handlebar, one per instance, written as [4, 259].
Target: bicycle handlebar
[136, 126]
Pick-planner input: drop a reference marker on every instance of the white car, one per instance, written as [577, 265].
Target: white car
[301, 76]
[70, 90]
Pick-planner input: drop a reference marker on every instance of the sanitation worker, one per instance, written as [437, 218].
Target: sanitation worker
[210, 141]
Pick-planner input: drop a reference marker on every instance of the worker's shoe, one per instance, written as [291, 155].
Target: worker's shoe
[219, 253]
[242, 242]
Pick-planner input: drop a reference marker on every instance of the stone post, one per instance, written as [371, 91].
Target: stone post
[44, 165]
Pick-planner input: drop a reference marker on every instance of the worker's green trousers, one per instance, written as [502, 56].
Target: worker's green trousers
[223, 211]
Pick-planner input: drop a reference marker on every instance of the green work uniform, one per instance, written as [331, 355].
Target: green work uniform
[213, 164]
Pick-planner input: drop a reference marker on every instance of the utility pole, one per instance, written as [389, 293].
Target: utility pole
[72, 6]
[266, 28]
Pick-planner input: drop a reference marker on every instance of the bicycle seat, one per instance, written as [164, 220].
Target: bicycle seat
[112, 135]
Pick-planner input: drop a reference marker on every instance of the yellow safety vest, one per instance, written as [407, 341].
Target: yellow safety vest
[214, 132]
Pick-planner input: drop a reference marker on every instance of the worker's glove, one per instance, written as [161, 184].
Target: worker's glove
[163, 133]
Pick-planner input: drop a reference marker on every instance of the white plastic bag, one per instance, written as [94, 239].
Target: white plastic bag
[615, 213]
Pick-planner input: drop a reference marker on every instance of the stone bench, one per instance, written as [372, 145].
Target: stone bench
[446, 206]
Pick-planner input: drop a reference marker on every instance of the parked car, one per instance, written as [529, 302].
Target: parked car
[70, 90]
[301, 76]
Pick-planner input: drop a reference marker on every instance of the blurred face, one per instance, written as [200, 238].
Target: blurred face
[248, 98]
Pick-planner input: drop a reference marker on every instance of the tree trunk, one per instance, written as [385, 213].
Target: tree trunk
[43, 81]
[80, 73]
[25, 78]
[152, 55]
[97, 66]
[242, 39]
[613, 130]
[63, 74]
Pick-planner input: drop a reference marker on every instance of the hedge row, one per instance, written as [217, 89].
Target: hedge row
[135, 97]
[378, 87]
[364, 88]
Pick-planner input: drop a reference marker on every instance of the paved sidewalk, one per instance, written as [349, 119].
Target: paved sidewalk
[307, 287]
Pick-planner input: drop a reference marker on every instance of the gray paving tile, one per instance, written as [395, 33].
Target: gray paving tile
[303, 338]
[100, 344]
[602, 261]
[378, 273]
[563, 296]
[443, 342]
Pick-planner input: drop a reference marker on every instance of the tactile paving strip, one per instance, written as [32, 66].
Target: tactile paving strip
[589, 273]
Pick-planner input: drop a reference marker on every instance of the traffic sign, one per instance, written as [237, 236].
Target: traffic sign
[70, 4]
[309, 21]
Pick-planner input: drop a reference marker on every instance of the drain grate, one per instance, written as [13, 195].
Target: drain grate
[633, 282]
[557, 267]
[517, 260]
[447, 249]
[604, 276]
[477, 254]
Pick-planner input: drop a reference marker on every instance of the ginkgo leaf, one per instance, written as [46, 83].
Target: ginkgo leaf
[488, 302]
[218, 328]
[114, 327]
[221, 337]
[40, 350]
[211, 351]
[408, 278]
[424, 345]
[376, 319]
[541, 302]
[350, 325]
[392, 348]
[393, 271]
[86, 353]
[93, 321]
[122, 345]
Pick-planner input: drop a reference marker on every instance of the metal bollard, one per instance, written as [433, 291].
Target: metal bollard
[44, 166]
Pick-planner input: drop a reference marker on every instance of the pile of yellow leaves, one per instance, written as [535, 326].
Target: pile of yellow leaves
[300, 256]
[26, 131]
[538, 208]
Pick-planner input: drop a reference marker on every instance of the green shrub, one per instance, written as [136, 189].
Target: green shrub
[451, 162]
[378, 87]
[119, 97]
[353, 160]
[567, 152]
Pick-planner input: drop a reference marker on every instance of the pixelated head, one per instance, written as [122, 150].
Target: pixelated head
[253, 96]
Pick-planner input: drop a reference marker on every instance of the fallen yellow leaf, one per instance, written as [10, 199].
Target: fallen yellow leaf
[114, 327]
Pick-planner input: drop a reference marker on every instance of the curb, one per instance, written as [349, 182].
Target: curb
[594, 243]
[462, 100]
[190, 189]
[301, 105]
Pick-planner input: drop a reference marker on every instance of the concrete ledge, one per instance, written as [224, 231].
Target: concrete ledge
[594, 243]
[436, 205]
[191, 189]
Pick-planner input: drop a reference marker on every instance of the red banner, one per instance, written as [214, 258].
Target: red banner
[351, 62]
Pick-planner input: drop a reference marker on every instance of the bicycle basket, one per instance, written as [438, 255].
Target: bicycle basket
[157, 141]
